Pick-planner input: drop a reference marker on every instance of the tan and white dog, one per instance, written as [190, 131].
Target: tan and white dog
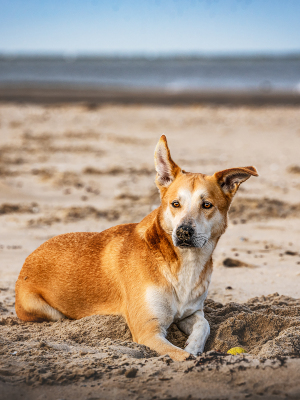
[153, 273]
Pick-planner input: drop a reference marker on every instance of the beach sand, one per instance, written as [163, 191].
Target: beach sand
[77, 167]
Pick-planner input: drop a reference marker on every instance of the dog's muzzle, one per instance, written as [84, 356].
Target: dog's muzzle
[185, 236]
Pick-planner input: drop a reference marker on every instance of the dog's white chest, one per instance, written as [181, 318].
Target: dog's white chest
[188, 291]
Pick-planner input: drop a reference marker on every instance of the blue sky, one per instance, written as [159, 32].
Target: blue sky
[152, 26]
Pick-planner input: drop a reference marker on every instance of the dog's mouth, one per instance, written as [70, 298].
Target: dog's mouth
[186, 245]
[190, 244]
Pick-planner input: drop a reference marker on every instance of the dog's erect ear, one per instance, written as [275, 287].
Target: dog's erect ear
[165, 167]
[230, 179]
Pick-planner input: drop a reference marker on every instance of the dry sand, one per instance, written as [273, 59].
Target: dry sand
[80, 168]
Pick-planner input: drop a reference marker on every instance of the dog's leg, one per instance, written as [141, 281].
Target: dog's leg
[31, 306]
[150, 328]
[197, 327]
[151, 334]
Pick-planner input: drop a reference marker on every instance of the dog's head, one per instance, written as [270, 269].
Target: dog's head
[194, 206]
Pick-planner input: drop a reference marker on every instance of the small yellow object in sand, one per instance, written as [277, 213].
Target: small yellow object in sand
[236, 350]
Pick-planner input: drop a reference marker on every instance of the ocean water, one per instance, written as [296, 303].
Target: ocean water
[169, 74]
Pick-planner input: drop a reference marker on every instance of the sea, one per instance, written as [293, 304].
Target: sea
[172, 74]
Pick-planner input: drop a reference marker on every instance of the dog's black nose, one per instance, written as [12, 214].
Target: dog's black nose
[184, 233]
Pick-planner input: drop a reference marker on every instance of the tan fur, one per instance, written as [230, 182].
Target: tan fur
[132, 269]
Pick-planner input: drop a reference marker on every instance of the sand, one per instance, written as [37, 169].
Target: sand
[67, 168]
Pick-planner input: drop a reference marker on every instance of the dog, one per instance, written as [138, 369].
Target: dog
[154, 273]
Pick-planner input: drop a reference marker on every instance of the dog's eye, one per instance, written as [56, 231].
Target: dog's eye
[175, 204]
[207, 205]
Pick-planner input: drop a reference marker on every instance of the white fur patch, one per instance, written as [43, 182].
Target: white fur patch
[185, 299]
[161, 305]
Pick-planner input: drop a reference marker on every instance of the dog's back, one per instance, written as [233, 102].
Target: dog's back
[69, 272]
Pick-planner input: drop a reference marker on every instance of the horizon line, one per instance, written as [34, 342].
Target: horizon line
[66, 55]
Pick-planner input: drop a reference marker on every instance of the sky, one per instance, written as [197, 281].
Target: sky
[116, 27]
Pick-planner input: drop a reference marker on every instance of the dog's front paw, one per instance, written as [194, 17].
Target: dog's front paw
[194, 349]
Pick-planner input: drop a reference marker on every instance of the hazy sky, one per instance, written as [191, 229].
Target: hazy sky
[149, 26]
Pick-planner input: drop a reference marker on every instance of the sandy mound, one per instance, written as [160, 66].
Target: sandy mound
[64, 351]
[267, 326]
